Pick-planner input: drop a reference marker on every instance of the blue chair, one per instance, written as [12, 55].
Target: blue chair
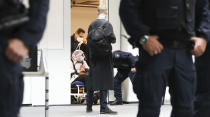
[80, 95]
[78, 83]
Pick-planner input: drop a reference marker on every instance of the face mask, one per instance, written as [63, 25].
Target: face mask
[79, 39]
[102, 17]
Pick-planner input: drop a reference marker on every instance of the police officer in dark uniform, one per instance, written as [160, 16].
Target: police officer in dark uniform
[16, 38]
[202, 100]
[167, 33]
[125, 64]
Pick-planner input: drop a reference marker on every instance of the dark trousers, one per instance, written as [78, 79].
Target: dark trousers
[103, 98]
[20, 93]
[119, 78]
[10, 91]
[173, 67]
[202, 101]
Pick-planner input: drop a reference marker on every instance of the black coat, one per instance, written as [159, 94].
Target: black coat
[101, 75]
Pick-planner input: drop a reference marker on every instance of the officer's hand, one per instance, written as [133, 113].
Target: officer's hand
[200, 46]
[16, 50]
[133, 70]
[153, 46]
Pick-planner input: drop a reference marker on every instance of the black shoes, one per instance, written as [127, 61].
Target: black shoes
[89, 109]
[116, 103]
[107, 111]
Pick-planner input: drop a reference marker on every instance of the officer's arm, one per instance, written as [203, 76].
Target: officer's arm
[109, 32]
[202, 19]
[32, 32]
[130, 16]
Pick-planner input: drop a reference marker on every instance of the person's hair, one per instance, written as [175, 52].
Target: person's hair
[102, 11]
[80, 30]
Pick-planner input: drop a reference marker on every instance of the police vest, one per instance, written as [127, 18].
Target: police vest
[169, 14]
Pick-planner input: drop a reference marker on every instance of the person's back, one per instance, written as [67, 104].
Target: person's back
[101, 69]
[123, 60]
[100, 37]
[102, 61]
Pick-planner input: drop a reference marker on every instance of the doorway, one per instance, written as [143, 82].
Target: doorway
[83, 12]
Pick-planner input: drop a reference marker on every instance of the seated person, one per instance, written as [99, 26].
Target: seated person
[80, 66]
[82, 75]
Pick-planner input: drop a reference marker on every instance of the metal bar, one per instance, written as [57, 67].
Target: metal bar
[43, 71]
[46, 96]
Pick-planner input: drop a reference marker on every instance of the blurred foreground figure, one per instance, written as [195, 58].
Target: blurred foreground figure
[202, 100]
[167, 33]
[20, 29]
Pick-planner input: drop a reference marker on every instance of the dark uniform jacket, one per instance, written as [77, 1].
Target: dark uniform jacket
[32, 32]
[123, 60]
[101, 68]
[149, 17]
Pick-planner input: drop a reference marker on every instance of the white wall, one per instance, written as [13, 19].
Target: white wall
[128, 96]
[56, 41]
[54, 34]
[115, 21]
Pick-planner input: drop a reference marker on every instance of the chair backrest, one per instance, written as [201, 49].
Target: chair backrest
[78, 83]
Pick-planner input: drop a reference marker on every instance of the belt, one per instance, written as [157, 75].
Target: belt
[175, 44]
[175, 39]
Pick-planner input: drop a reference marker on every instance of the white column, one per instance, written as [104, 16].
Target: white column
[115, 21]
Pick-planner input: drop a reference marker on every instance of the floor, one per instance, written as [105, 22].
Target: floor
[126, 110]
